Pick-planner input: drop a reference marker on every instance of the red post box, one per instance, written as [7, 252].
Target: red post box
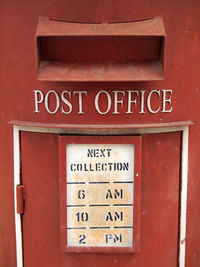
[99, 134]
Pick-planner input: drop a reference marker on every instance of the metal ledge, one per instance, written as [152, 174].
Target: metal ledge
[99, 129]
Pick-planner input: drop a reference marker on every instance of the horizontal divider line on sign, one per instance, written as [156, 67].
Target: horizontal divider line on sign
[100, 205]
[72, 206]
[75, 228]
[102, 182]
[121, 227]
[98, 182]
[100, 227]
[75, 182]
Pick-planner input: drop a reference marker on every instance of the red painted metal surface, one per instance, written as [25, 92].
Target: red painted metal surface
[159, 204]
[100, 71]
[20, 199]
[18, 22]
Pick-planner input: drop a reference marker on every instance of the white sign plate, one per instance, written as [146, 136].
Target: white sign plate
[100, 187]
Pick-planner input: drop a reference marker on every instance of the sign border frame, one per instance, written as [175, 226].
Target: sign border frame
[137, 142]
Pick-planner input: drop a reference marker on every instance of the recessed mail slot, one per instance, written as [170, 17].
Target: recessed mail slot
[100, 191]
[100, 48]
[100, 52]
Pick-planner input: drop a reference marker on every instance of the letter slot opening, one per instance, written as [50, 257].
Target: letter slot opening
[100, 52]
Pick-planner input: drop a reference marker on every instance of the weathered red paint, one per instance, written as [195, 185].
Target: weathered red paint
[39, 151]
[159, 204]
[20, 199]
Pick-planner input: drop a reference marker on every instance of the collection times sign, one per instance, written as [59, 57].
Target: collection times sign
[99, 189]
[100, 194]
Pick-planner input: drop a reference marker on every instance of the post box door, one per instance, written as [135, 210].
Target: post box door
[159, 226]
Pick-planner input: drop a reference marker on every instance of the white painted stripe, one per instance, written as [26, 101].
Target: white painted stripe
[184, 172]
[18, 227]
[184, 183]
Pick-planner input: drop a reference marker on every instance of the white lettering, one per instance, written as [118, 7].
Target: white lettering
[142, 92]
[149, 101]
[80, 100]
[66, 102]
[166, 100]
[97, 102]
[47, 102]
[117, 101]
[37, 100]
[130, 100]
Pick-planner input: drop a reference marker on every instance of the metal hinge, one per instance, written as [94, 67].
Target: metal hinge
[20, 198]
